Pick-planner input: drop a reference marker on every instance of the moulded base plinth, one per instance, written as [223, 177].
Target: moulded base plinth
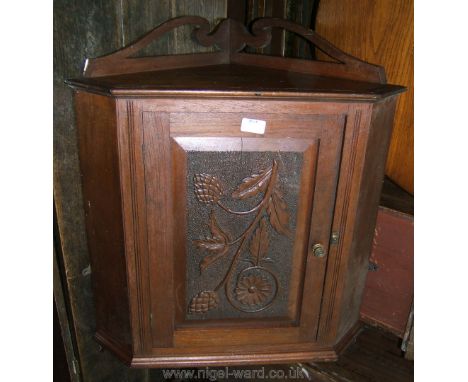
[317, 353]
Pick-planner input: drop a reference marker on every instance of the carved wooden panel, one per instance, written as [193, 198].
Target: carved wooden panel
[240, 237]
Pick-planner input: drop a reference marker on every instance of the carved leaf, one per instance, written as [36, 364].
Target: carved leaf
[211, 245]
[203, 302]
[278, 212]
[210, 259]
[259, 242]
[207, 188]
[253, 184]
[217, 244]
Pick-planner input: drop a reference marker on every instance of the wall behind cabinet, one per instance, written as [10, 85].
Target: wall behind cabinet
[90, 28]
[380, 32]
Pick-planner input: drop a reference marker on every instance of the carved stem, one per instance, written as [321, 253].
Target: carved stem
[236, 240]
[248, 231]
[227, 209]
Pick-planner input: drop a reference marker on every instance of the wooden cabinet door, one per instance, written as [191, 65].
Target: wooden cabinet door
[232, 218]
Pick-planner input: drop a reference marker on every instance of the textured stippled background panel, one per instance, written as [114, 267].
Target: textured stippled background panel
[231, 168]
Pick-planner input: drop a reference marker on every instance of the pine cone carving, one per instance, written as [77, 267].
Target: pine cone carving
[207, 188]
[203, 302]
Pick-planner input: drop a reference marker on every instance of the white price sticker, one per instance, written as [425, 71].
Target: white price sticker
[256, 126]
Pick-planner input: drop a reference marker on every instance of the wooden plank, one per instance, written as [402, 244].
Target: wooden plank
[81, 28]
[278, 35]
[381, 32]
[140, 16]
[374, 356]
[270, 8]
[70, 368]
[236, 9]
[204, 8]
[301, 12]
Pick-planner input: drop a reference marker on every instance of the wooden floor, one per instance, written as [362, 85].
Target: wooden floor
[374, 356]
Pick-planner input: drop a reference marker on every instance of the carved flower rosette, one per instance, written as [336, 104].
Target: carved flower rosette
[255, 287]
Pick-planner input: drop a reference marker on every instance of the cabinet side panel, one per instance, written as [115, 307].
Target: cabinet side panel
[97, 138]
[380, 130]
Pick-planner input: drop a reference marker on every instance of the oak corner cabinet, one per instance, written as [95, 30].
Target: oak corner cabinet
[230, 197]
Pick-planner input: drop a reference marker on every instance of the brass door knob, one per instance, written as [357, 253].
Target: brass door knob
[318, 250]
